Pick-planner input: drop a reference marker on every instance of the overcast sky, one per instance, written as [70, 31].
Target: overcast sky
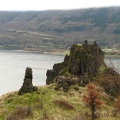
[54, 4]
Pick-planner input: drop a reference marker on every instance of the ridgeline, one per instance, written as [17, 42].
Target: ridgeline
[48, 31]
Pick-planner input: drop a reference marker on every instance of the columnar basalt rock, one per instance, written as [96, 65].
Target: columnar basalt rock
[84, 61]
[58, 69]
[27, 84]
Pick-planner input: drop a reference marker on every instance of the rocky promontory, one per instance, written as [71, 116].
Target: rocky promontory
[84, 62]
[64, 98]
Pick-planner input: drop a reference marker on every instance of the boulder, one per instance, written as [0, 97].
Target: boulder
[64, 83]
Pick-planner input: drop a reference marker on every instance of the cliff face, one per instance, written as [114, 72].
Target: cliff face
[58, 69]
[84, 62]
[86, 59]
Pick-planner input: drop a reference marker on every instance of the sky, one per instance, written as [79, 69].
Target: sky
[28, 5]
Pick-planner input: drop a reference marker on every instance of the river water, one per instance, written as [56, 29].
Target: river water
[14, 63]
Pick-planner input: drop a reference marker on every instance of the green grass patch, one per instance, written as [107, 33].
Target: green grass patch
[46, 103]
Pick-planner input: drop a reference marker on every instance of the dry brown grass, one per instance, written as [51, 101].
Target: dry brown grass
[20, 113]
[64, 104]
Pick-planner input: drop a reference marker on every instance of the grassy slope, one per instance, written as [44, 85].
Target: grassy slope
[43, 107]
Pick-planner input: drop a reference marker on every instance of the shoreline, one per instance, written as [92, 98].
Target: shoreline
[52, 52]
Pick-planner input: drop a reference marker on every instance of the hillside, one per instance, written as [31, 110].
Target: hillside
[60, 29]
[67, 85]
[47, 104]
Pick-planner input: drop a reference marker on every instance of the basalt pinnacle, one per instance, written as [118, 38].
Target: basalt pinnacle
[27, 83]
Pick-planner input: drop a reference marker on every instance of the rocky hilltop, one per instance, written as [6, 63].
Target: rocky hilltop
[63, 96]
[82, 64]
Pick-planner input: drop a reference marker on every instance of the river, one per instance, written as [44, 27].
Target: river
[14, 63]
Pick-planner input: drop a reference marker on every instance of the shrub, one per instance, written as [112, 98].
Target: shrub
[91, 99]
[110, 83]
[64, 104]
[12, 117]
[20, 113]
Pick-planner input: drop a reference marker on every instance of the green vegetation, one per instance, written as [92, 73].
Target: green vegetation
[46, 103]
[55, 32]
[64, 96]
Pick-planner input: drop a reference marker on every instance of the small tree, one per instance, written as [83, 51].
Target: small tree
[91, 99]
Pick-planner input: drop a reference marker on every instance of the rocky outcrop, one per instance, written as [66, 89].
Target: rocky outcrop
[58, 69]
[86, 59]
[64, 82]
[27, 84]
[84, 62]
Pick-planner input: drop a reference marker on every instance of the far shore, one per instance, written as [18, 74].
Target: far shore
[108, 53]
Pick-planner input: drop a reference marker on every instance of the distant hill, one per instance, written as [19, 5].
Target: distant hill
[60, 28]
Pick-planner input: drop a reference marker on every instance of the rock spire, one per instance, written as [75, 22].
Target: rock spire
[27, 83]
